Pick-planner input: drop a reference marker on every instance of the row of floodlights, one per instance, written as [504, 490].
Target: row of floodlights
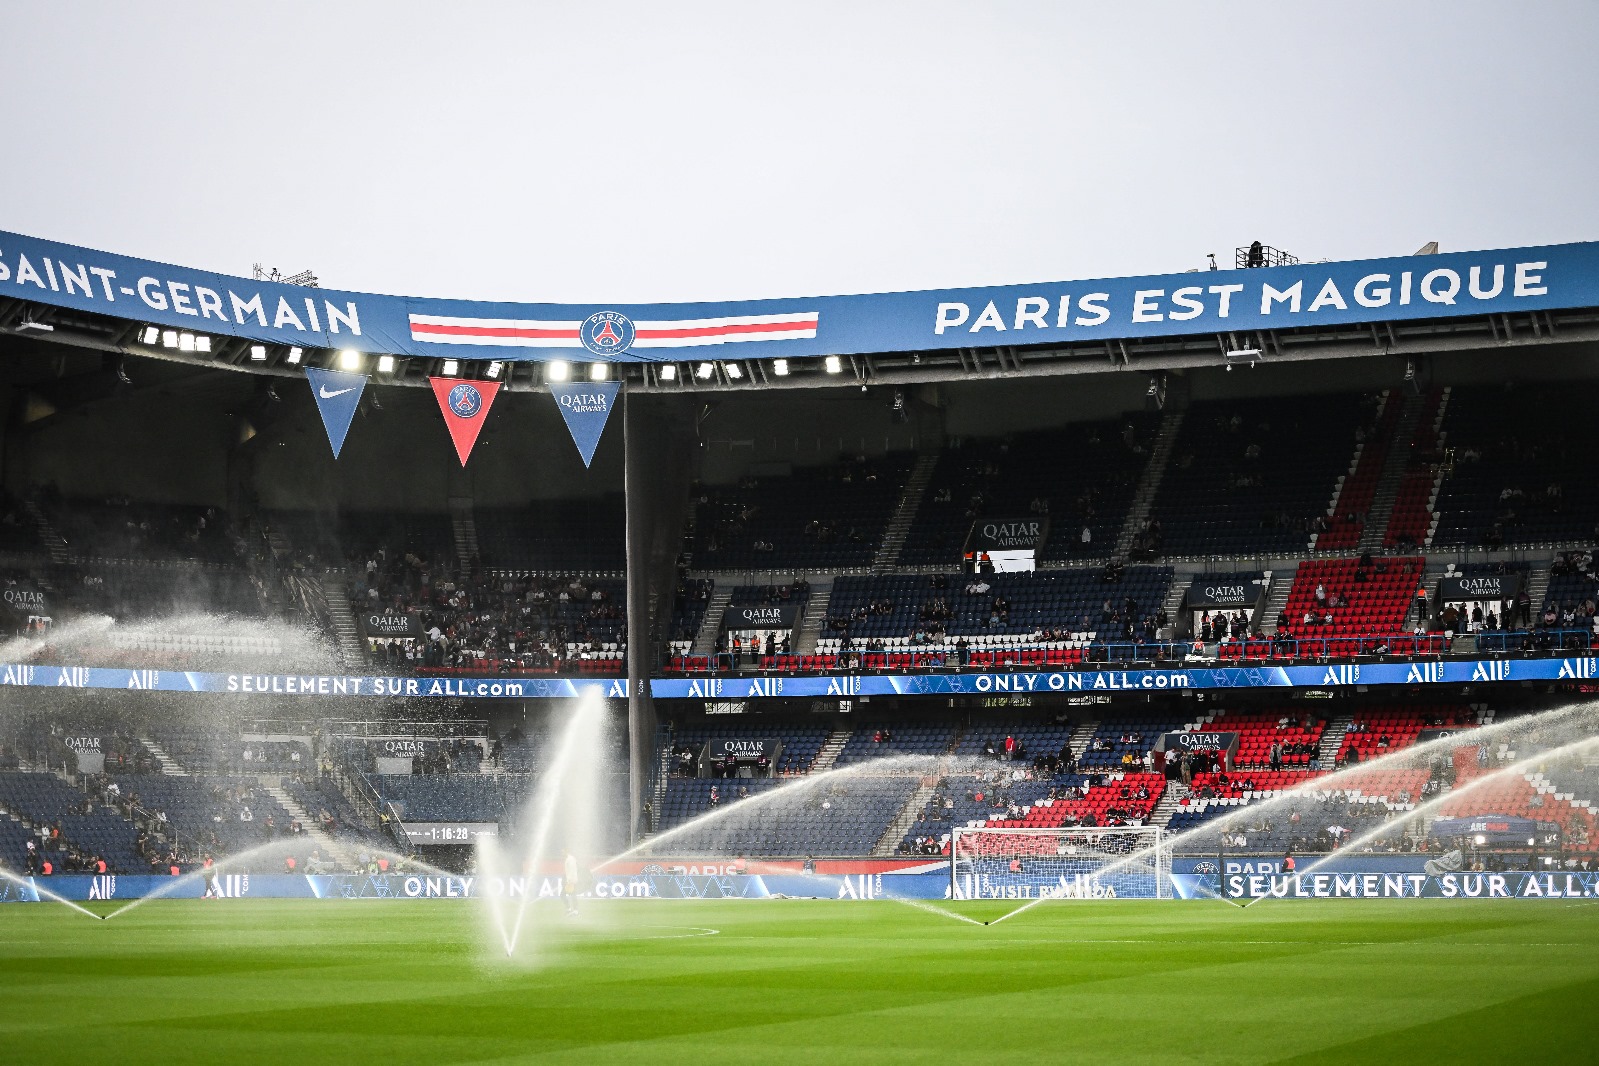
[554, 370]
[735, 371]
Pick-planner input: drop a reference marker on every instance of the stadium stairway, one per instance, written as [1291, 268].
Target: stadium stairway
[1537, 584]
[910, 502]
[1282, 586]
[54, 542]
[1182, 576]
[705, 641]
[337, 591]
[1395, 463]
[1170, 803]
[1332, 739]
[463, 527]
[300, 814]
[1080, 737]
[810, 626]
[827, 755]
[908, 816]
[1149, 482]
[167, 763]
[1546, 787]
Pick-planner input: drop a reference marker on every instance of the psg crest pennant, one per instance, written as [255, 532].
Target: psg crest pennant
[337, 396]
[586, 409]
[465, 405]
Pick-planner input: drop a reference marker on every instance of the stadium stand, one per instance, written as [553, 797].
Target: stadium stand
[1377, 732]
[883, 739]
[1516, 473]
[800, 745]
[219, 814]
[1410, 525]
[554, 536]
[1068, 607]
[1255, 476]
[845, 817]
[1080, 476]
[1296, 735]
[124, 529]
[1353, 501]
[1345, 606]
[816, 519]
[449, 797]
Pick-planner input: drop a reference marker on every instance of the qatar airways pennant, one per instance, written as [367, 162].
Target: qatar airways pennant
[465, 405]
[586, 409]
[337, 397]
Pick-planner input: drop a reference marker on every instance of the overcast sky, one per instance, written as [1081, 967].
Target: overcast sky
[634, 152]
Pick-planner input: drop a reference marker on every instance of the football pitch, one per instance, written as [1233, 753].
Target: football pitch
[246, 981]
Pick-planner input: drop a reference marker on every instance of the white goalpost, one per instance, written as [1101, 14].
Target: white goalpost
[1121, 862]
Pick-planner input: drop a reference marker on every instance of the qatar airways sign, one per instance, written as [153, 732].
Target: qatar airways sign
[1007, 534]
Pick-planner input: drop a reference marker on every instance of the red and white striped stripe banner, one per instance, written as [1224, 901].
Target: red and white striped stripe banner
[685, 333]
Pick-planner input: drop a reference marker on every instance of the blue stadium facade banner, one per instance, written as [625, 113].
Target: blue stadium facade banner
[1336, 675]
[82, 888]
[1319, 294]
[1352, 882]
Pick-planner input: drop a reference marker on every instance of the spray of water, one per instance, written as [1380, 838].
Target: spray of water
[32, 884]
[567, 798]
[243, 860]
[801, 789]
[185, 641]
[1424, 810]
[798, 788]
[1564, 717]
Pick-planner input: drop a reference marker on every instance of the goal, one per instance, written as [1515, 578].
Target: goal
[1121, 862]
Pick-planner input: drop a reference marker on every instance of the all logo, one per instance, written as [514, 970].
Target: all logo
[233, 886]
[103, 887]
[465, 400]
[607, 333]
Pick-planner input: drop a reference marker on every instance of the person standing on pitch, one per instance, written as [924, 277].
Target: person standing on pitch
[569, 882]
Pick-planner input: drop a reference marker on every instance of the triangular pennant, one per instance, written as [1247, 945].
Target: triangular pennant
[337, 396]
[465, 405]
[586, 409]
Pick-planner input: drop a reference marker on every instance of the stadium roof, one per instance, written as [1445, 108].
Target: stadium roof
[1404, 306]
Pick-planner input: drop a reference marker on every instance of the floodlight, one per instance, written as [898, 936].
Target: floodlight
[494, 369]
[668, 372]
[151, 335]
[185, 342]
[599, 371]
[833, 365]
[451, 368]
[258, 353]
[350, 359]
[202, 343]
[385, 364]
[733, 371]
[169, 338]
[294, 356]
[780, 367]
[557, 370]
[705, 370]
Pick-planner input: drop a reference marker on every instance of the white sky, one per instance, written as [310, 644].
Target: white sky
[633, 152]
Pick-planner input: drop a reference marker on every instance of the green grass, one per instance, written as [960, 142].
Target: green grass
[802, 981]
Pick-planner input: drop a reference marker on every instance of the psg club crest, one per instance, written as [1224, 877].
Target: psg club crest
[465, 401]
[607, 333]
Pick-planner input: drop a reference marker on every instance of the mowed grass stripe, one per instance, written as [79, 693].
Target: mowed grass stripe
[368, 981]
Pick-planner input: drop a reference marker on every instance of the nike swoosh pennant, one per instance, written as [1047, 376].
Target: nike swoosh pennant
[337, 404]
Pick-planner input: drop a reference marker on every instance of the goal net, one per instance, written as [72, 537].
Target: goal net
[1124, 862]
